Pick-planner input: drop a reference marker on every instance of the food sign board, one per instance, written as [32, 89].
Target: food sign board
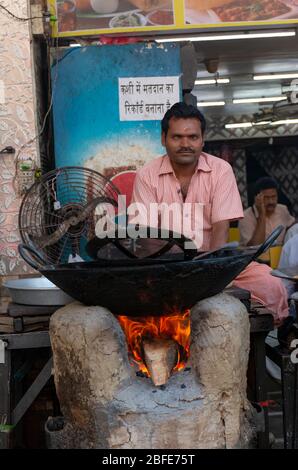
[93, 17]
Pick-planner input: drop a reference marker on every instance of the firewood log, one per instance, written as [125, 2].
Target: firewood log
[160, 356]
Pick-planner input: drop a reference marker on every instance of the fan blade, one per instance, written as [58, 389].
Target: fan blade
[92, 205]
[47, 240]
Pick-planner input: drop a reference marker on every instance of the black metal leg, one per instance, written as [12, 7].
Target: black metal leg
[289, 391]
[32, 392]
[257, 381]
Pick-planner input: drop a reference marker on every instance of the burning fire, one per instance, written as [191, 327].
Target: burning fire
[175, 326]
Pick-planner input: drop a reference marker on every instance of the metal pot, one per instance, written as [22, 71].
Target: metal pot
[36, 291]
[139, 287]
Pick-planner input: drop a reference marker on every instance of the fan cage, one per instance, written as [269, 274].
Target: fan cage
[50, 202]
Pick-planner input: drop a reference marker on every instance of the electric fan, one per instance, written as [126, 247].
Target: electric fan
[59, 212]
[280, 110]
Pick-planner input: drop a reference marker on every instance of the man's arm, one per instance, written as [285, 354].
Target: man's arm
[143, 196]
[259, 233]
[220, 234]
[226, 206]
[226, 202]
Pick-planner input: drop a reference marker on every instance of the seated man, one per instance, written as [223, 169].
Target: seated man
[265, 215]
[204, 192]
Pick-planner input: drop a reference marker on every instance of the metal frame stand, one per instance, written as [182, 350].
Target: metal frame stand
[11, 374]
[289, 385]
[260, 325]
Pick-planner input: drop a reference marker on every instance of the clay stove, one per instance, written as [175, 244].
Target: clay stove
[194, 398]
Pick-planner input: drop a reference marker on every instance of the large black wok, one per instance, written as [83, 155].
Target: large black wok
[139, 287]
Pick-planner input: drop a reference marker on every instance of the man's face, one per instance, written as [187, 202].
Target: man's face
[270, 198]
[184, 141]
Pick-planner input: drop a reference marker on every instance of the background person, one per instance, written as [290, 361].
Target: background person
[265, 215]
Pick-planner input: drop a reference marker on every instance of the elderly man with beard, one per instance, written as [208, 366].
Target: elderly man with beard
[187, 175]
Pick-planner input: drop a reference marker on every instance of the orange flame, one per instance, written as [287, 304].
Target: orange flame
[175, 326]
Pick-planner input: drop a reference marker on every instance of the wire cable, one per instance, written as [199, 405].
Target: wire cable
[29, 142]
[18, 17]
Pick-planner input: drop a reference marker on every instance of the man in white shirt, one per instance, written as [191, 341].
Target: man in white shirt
[265, 215]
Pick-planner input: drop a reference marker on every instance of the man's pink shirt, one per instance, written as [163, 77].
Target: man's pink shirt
[213, 185]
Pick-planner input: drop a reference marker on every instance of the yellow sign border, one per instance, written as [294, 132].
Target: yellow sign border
[179, 26]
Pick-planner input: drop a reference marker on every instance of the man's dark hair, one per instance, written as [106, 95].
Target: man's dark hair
[182, 111]
[265, 183]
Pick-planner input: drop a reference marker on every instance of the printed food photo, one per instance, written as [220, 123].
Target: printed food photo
[82, 15]
[231, 11]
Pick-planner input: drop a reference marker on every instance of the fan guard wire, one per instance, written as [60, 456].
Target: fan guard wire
[56, 200]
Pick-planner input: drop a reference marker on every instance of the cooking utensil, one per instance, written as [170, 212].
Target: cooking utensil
[139, 287]
[290, 273]
[36, 291]
[162, 243]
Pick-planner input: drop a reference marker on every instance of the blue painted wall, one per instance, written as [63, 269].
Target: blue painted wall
[86, 101]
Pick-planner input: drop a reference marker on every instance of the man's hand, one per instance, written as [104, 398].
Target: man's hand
[259, 234]
[260, 205]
